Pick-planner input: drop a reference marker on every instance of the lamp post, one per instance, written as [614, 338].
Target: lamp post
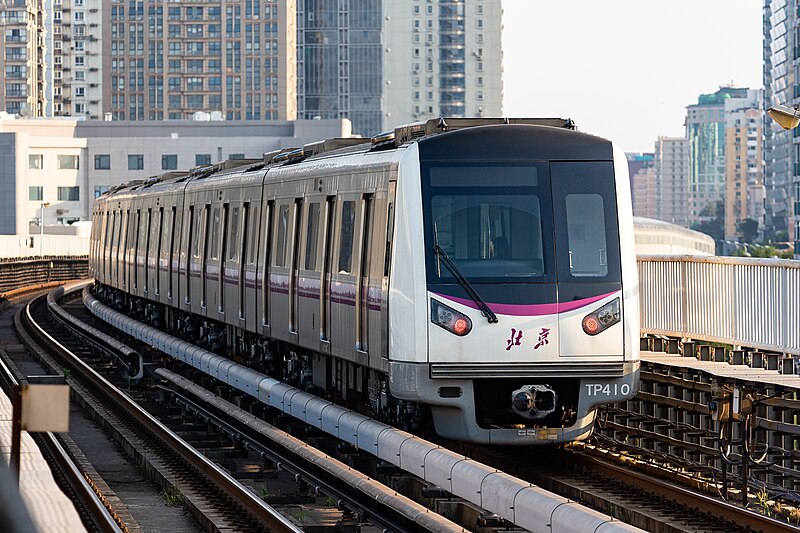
[41, 229]
[787, 118]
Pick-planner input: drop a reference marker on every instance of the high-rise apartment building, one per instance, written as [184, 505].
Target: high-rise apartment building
[705, 131]
[382, 64]
[671, 158]
[169, 60]
[643, 185]
[21, 57]
[781, 149]
[744, 177]
[442, 59]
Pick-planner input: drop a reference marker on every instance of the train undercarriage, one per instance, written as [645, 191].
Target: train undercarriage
[360, 388]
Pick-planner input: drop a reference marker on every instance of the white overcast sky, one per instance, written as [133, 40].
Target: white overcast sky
[626, 69]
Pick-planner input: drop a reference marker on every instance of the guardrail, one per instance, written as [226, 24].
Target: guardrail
[732, 300]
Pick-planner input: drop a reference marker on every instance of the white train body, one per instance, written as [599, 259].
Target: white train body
[486, 273]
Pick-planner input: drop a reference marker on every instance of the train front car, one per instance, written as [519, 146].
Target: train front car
[530, 291]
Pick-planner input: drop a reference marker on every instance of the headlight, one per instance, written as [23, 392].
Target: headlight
[450, 319]
[602, 319]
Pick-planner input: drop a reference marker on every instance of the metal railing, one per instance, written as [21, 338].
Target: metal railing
[732, 300]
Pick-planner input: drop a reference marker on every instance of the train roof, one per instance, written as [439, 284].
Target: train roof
[337, 147]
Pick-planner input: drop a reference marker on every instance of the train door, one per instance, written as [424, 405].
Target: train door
[263, 279]
[145, 242]
[294, 277]
[241, 263]
[187, 250]
[380, 327]
[363, 300]
[343, 278]
[173, 253]
[207, 236]
[325, 274]
[587, 257]
[219, 254]
[308, 290]
[279, 277]
[154, 236]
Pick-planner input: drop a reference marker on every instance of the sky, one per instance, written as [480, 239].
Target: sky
[626, 69]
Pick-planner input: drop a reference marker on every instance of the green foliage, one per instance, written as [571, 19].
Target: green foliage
[172, 497]
[762, 250]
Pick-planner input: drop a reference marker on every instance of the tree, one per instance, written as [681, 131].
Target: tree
[748, 230]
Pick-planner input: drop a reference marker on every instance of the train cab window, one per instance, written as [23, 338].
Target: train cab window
[283, 230]
[348, 225]
[233, 250]
[491, 220]
[587, 235]
[215, 230]
[312, 237]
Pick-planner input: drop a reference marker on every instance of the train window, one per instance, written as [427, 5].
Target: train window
[387, 258]
[172, 224]
[245, 228]
[233, 249]
[161, 232]
[283, 229]
[215, 230]
[366, 236]
[490, 235]
[348, 226]
[312, 237]
[587, 235]
[252, 246]
[196, 232]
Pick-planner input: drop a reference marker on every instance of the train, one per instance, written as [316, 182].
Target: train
[475, 278]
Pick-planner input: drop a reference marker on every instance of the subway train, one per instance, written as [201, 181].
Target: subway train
[475, 278]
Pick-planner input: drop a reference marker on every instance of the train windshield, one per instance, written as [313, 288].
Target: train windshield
[493, 221]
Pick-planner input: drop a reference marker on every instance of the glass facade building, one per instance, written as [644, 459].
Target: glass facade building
[339, 68]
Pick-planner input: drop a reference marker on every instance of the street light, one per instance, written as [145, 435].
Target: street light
[41, 229]
[787, 117]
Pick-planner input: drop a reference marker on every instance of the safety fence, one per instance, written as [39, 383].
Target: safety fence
[738, 301]
[23, 246]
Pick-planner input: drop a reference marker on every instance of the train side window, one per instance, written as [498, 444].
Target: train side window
[198, 214]
[245, 235]
[215, 231]
[312, 237]
[366, 233]
[587, 235]
[387, 258]
[283, 229]
[348, 225]
[233, 249]
[252, 246]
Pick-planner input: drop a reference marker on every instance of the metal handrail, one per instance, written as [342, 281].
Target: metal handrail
[733, 300]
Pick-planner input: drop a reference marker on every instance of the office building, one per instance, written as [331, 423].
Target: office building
[781, 150]
[705, 131]
[744, 175]
[67, 163]
[671, 159]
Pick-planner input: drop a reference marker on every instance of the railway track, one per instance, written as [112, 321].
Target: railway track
[215, 499]
[360, 503]
[654, 505]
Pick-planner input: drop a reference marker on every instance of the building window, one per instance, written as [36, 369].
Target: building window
[100, 189]
[80, 92]
[69, 194]
[36, 193]
[135, 161]
[202, 159]
[102, 162]
[68, 162]
[35, 161]
[169, 161]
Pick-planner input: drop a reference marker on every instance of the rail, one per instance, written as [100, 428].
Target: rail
[732, 300]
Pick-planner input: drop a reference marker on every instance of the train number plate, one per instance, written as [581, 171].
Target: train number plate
[607, 389]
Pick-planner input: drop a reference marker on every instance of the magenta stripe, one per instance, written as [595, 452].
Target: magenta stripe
[530, 310]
